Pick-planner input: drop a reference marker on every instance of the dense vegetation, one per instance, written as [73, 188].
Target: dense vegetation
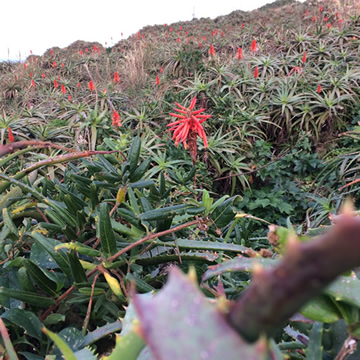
[100, 197]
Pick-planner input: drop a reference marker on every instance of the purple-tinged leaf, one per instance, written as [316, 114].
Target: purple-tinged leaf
[181, 323]
[238, 264]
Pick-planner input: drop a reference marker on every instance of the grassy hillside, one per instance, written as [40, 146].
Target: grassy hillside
[179, 145]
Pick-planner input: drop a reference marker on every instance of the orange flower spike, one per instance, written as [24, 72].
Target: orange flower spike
[10, 135]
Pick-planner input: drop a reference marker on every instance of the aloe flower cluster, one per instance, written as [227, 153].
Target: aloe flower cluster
[188, 127]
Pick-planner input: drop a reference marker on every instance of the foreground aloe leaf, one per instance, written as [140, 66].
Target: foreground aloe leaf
[181, 323]
[238, 264]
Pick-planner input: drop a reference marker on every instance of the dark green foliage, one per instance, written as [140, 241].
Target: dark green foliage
[104, 210]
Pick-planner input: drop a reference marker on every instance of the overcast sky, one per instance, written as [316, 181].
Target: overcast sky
[38, 25]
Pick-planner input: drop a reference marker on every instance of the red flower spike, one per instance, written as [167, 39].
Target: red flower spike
[242, 25]
[63, 90]
[115, 119]
[51, 52]
[43, 75]
[10, 135]
[78, 85]
[256, 72]
[318, 90]
[56, 85]
[69, 97]
[188, 127]
[91, 86]
[304, 58]
[33, 83]
[178, 40]
[200, 45]
[212, 50]
[116, 77]
[25, 66]
[157, 80]
[54, 64]
[253, 46]
[239, 54]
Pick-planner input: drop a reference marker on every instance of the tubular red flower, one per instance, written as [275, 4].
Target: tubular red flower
[188, 126]
[256, 72]
[239, 54]
[91, 86]
[253, 46]
[304, 58]
[115, 119]
[10, 135]
[116, 77]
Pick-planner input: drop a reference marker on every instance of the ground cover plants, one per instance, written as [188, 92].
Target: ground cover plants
[226, 149]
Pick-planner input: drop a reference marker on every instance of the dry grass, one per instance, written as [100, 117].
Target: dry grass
[133, 67]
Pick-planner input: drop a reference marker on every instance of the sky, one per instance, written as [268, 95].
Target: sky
[37, 25]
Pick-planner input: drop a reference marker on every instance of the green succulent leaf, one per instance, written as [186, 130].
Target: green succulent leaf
[107, 237]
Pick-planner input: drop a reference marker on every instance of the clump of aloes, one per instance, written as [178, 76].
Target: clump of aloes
[189, 127]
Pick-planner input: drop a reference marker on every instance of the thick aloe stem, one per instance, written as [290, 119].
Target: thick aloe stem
[307, 268]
